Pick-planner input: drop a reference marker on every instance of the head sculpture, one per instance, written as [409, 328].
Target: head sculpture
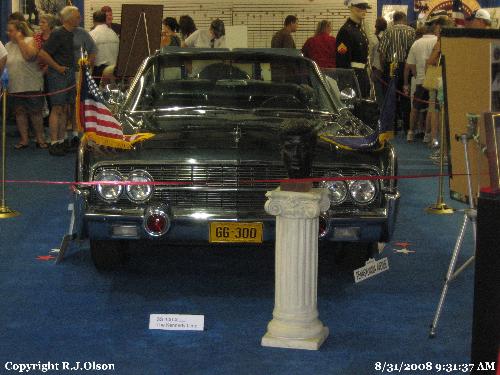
[298, 140]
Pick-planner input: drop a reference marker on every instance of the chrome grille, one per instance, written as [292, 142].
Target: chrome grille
[228, 187]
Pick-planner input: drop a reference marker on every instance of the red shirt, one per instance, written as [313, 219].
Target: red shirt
[322, 49]
[39, 42]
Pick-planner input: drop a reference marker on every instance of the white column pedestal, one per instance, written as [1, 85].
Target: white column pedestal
[295, 321]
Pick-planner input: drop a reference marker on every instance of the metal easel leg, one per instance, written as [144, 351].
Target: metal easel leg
[449, 276]
[470, 215]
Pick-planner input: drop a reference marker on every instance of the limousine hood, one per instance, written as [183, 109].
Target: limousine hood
[234, 138]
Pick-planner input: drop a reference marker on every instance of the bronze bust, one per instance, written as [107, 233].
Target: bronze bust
[298, 140]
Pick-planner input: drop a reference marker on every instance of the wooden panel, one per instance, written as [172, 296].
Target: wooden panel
[467, 84]
[135, 43]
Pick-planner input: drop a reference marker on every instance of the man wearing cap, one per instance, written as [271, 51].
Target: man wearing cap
[480, 19]
[116, 27]
[352, 44]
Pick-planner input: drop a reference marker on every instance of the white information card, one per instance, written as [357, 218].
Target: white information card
[177, 322]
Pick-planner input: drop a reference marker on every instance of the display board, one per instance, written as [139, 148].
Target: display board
[140, 36]
[261, 17]
[467, 83]
[236, 36]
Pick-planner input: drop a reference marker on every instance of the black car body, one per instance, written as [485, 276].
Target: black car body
[216, 117]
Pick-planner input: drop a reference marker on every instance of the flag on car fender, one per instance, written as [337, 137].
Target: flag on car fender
[94, 117]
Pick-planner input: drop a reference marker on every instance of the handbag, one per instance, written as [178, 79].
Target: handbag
[433, 74]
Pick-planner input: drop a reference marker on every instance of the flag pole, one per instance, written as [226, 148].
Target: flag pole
[5, 212]
[81, 63]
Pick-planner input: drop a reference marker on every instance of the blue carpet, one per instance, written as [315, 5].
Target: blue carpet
[70, 312]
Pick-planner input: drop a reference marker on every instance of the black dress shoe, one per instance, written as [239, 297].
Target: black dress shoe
[57, 149]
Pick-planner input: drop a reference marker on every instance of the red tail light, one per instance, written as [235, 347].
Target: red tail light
[157, 220]
[323, 227]
[156, 223]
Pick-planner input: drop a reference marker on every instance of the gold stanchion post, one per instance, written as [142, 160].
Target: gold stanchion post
[5, 212]
[440, 207]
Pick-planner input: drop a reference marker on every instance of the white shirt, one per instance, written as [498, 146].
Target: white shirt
[419, 53]
[107, 43]
[23, 75]
[201, 39]
[3, 51]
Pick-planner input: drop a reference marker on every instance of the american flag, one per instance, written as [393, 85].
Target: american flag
[96, 120]
[457, 11]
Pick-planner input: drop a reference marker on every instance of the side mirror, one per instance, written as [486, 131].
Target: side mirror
[347, 94]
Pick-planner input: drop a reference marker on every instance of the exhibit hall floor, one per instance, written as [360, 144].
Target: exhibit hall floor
[70, 312]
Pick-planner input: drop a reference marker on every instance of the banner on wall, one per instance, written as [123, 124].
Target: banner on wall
[421, 6]
[388, 11]
[469, 6]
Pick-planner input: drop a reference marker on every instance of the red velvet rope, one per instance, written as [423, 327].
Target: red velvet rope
[243, 182]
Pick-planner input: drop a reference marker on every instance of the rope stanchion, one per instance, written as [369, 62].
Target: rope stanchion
[5, 212]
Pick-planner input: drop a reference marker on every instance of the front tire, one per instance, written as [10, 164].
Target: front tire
[108, 255]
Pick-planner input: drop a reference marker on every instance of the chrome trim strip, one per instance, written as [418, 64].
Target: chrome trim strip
[228, 163]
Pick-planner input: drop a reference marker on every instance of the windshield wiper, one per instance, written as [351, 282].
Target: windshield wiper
[294, 110]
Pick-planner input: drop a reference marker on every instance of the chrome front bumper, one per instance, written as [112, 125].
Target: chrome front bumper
[193, 225]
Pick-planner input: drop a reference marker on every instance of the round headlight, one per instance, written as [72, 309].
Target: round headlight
[362, 191]
[139, 193]
[109, 193]
[337, 191]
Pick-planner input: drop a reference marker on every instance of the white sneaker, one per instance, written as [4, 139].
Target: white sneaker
[410, 136]
[427, 138]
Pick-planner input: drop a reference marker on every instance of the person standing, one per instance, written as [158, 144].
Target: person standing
[321, 47]
[480, 19]
[284, 38]
[214, 37]
[352, 45]
[418, 58]
[116, 27]
[396, 42]
[169, 29]
[3, 57]
[186, 26]
[47, 24]
[107, 44]
[415, 64]
[58, 54]
[25, 79]
[394, 47]
[377, 71]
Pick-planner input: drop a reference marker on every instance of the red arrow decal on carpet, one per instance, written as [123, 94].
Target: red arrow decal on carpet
[45, 257]
[402, 244]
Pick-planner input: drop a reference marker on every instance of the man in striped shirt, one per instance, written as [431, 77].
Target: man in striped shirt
[394, 47]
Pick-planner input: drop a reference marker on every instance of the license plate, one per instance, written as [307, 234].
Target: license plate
[235, 232]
